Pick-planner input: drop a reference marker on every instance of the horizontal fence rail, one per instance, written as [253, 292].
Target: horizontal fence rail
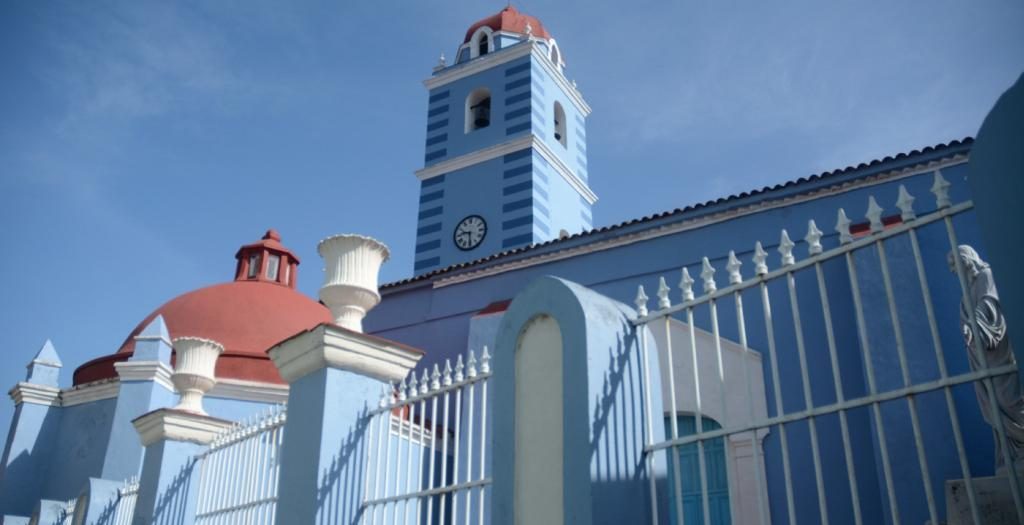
[426, 459]
[238, 481]
[852, 445]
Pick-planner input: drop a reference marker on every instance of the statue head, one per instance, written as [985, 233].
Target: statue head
[969, 258]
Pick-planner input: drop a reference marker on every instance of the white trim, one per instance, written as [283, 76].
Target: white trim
[335, 347]
[501, 56]
[564, 170]
[176, 425]
[249, 391]
[493, 152]
[474, 41]
[35, 394]
[144, 338]
[700, 222]
[157, 371]
[89, 392]
[476, 157]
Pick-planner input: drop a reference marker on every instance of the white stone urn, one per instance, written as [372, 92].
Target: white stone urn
[351, 267]
[194, 371]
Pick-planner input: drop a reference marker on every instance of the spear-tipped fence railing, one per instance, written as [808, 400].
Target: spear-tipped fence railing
[124, 507]
[426, 459]
[871, 350]
[238, 479]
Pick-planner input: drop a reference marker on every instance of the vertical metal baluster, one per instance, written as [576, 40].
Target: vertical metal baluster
[872, 390]
[940, 358]
[443, 496]
[814, 246]
[408, 456]
[786, 250]
[641, 302]
[755, 444]
[458, 423]
[424, 390]
[485, 368]
[1018, 499]
[759, 261]
[707, 274]
[915, 423]
[435, 384]
[387, 459]
[471, 387]
[367, 495]
[699, 420]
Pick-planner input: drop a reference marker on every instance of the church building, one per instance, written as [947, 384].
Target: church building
[791, 354]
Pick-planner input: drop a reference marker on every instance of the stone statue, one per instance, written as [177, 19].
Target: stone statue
[989, 347]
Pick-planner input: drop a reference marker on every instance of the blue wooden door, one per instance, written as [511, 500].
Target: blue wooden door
[689, 469]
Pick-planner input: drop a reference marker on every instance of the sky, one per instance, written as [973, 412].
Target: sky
[141, 143]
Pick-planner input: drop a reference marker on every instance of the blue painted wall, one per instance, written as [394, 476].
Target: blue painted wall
[434, 319]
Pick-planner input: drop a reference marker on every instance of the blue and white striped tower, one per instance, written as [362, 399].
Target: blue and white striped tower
[506, 155]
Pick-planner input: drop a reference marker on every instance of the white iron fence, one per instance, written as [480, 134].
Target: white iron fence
[124, 508]
[426, 457]
[238, 480]
[854, 328]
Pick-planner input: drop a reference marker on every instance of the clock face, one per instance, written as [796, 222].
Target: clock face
[470, 232]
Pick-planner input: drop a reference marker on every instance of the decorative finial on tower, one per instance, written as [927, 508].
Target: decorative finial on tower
[442, 63]
[528, 30]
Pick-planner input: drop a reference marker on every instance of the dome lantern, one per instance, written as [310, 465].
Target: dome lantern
[267, 260]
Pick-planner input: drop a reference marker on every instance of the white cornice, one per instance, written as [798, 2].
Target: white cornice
[35, 394]
[249, 391]
[177, 425]
[503, 56]
[564, 170]
[335, 347]
[89, 392]
[512, 146]
[157, 371]
[699, 222]
[476, 157]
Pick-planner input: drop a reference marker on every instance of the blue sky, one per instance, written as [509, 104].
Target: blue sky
[142, 143]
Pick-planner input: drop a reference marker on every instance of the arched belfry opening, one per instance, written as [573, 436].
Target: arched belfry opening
[560, 133]
[478, 109]
[482, 42]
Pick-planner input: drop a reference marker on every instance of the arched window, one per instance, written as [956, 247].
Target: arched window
[689, 473]
[560, 134]
[481, 43]
[478, 109]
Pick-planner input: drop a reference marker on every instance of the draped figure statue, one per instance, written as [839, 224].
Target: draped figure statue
[989, 347]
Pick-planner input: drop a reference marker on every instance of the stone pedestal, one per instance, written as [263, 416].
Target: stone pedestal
[169, 480]
[335, 376]
[993, 496]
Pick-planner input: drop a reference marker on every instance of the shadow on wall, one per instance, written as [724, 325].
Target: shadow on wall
[24, 477]
[172, 507]
[339, 493]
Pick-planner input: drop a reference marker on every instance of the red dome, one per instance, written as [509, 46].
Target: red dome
[247, 316]
[510, 20]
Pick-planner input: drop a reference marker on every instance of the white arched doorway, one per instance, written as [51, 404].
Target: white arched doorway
[539, 465]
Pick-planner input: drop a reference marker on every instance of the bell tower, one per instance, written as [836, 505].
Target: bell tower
[505, 164]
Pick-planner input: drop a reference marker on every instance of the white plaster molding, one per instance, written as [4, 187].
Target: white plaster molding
[699, 222]
[89, 392]
[160, 338]
[512, 146]
[175, 425]
[501, 56]
[335, 347]
[249, 391]
[35, 394]
[564, 170]
[476, 157]
[156, 371]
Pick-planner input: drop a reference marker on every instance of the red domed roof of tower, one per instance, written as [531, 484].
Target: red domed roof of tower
[247, 316]
[511, 20]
